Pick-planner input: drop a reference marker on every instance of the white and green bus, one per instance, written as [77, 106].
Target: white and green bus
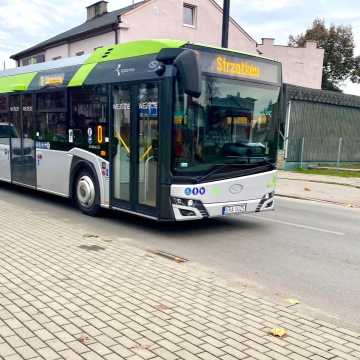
[165, 129]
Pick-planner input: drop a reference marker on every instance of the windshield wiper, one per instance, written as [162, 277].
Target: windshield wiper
[216, 169]
[219, 167]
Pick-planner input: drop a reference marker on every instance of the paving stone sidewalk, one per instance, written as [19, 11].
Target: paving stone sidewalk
[337, 190]
[67, 294]
[347, 181]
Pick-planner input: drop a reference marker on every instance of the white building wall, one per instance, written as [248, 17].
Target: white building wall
[90, 44]
[57, 51]
[164, 19]
[301, 66]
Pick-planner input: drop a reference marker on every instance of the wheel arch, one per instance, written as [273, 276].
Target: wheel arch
[78, 164]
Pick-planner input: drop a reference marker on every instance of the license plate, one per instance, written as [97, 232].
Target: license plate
[234, 209]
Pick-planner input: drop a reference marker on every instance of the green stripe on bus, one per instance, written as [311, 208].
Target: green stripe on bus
[20, 82]
[132, 49]
[80, 76]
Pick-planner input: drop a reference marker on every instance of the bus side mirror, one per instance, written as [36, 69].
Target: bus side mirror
[187, 63]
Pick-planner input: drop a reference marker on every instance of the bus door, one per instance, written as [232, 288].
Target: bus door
[22, 143]
[135, 147]
[5, 135]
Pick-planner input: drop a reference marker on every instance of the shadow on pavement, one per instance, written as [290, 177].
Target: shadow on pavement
[18, 195]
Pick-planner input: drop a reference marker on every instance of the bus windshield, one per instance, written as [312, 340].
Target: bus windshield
[233, 123]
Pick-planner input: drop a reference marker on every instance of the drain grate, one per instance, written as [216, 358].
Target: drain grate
[169, 256]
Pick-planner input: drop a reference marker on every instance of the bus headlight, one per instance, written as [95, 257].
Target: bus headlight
[184, 202]
[197, 204]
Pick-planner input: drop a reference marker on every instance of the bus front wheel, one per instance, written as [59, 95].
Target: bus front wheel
[87, 193]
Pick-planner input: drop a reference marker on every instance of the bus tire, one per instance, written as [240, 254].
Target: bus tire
[86, 193]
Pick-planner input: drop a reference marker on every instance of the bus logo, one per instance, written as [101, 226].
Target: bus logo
[121, 71]
[118, 70]
[237, 188]
[153, 65]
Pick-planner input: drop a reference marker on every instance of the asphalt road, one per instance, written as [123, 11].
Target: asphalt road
[303, 250]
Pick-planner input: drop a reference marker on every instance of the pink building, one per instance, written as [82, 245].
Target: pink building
[193, 20]
[301, 66]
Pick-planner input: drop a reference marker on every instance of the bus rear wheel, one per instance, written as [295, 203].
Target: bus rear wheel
[87, 193]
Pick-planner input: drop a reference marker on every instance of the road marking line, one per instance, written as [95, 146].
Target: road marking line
[298, 225]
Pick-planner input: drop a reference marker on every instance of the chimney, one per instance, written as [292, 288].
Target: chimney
[97, 9]
[268, 41]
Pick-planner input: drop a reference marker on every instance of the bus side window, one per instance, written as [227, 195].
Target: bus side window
[89, 116]
[52, 127]
[51, 118]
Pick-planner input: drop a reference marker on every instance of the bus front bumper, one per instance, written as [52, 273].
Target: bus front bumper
[198, 210]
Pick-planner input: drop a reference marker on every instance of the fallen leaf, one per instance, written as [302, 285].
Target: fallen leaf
[307, 189]
[84, 339]
[279, 332]
[292, 301]
[349, 205]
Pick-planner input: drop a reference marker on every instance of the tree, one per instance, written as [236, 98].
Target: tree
[340, 63]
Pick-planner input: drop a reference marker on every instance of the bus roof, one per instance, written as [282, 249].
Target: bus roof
[19, 79]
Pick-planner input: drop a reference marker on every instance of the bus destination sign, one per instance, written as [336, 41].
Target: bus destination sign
[241, 66]
[238, 67]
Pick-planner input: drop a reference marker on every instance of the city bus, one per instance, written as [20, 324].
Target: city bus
[165, 129]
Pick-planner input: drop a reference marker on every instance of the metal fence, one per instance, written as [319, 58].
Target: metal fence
[333, 150]
[322, 133]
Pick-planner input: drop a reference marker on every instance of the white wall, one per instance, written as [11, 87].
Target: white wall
[164, 19]
[87, 45]
[90, 44]
[301, 66]
[62, 51]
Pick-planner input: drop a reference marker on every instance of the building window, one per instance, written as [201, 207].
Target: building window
[79, 53]
[33, 60]
[25, 62]
[189, 15]
[97, 9]
[38, 59]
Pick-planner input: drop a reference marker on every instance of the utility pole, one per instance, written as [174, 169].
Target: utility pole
[226, 21]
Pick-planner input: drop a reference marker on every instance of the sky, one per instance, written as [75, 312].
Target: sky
[24, 23]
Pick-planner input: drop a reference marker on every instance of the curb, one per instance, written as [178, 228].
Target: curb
[321, 182]
[317, 200]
